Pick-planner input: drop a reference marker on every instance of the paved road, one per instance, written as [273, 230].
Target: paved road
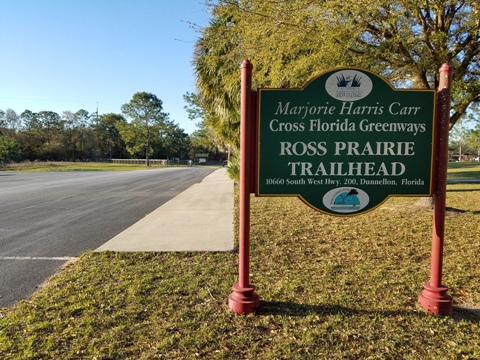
[47, 218]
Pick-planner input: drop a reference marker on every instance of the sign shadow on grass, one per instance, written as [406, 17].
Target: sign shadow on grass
[460, 211]
[287, 308]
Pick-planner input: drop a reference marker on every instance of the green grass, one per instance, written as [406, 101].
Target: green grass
[330, 288]
[464, 170]
[37, 166]
[56, 166]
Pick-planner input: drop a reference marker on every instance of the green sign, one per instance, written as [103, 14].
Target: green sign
[345, 142]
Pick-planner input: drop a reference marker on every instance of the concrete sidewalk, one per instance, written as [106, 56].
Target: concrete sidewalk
[198, 219]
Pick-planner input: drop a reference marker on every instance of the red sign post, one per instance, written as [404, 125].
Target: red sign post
[434, 296]
[243, 300]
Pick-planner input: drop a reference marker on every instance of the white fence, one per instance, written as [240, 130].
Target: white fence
[165, 162]
[142, 161]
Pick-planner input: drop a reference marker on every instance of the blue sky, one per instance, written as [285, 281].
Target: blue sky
[67, 55]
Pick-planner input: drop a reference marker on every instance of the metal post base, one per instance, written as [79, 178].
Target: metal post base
[435, 300]
[243, 300]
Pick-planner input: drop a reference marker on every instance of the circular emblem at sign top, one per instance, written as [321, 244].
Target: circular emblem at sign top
[348, 85]
[346, 200]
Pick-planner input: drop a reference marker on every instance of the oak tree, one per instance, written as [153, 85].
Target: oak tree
[289, 42]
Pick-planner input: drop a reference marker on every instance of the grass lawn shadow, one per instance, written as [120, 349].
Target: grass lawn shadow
[462, 190]
[455, 210]
[288, 308]
[466, 313]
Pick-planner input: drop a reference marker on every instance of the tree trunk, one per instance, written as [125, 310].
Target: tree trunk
[147, 152]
